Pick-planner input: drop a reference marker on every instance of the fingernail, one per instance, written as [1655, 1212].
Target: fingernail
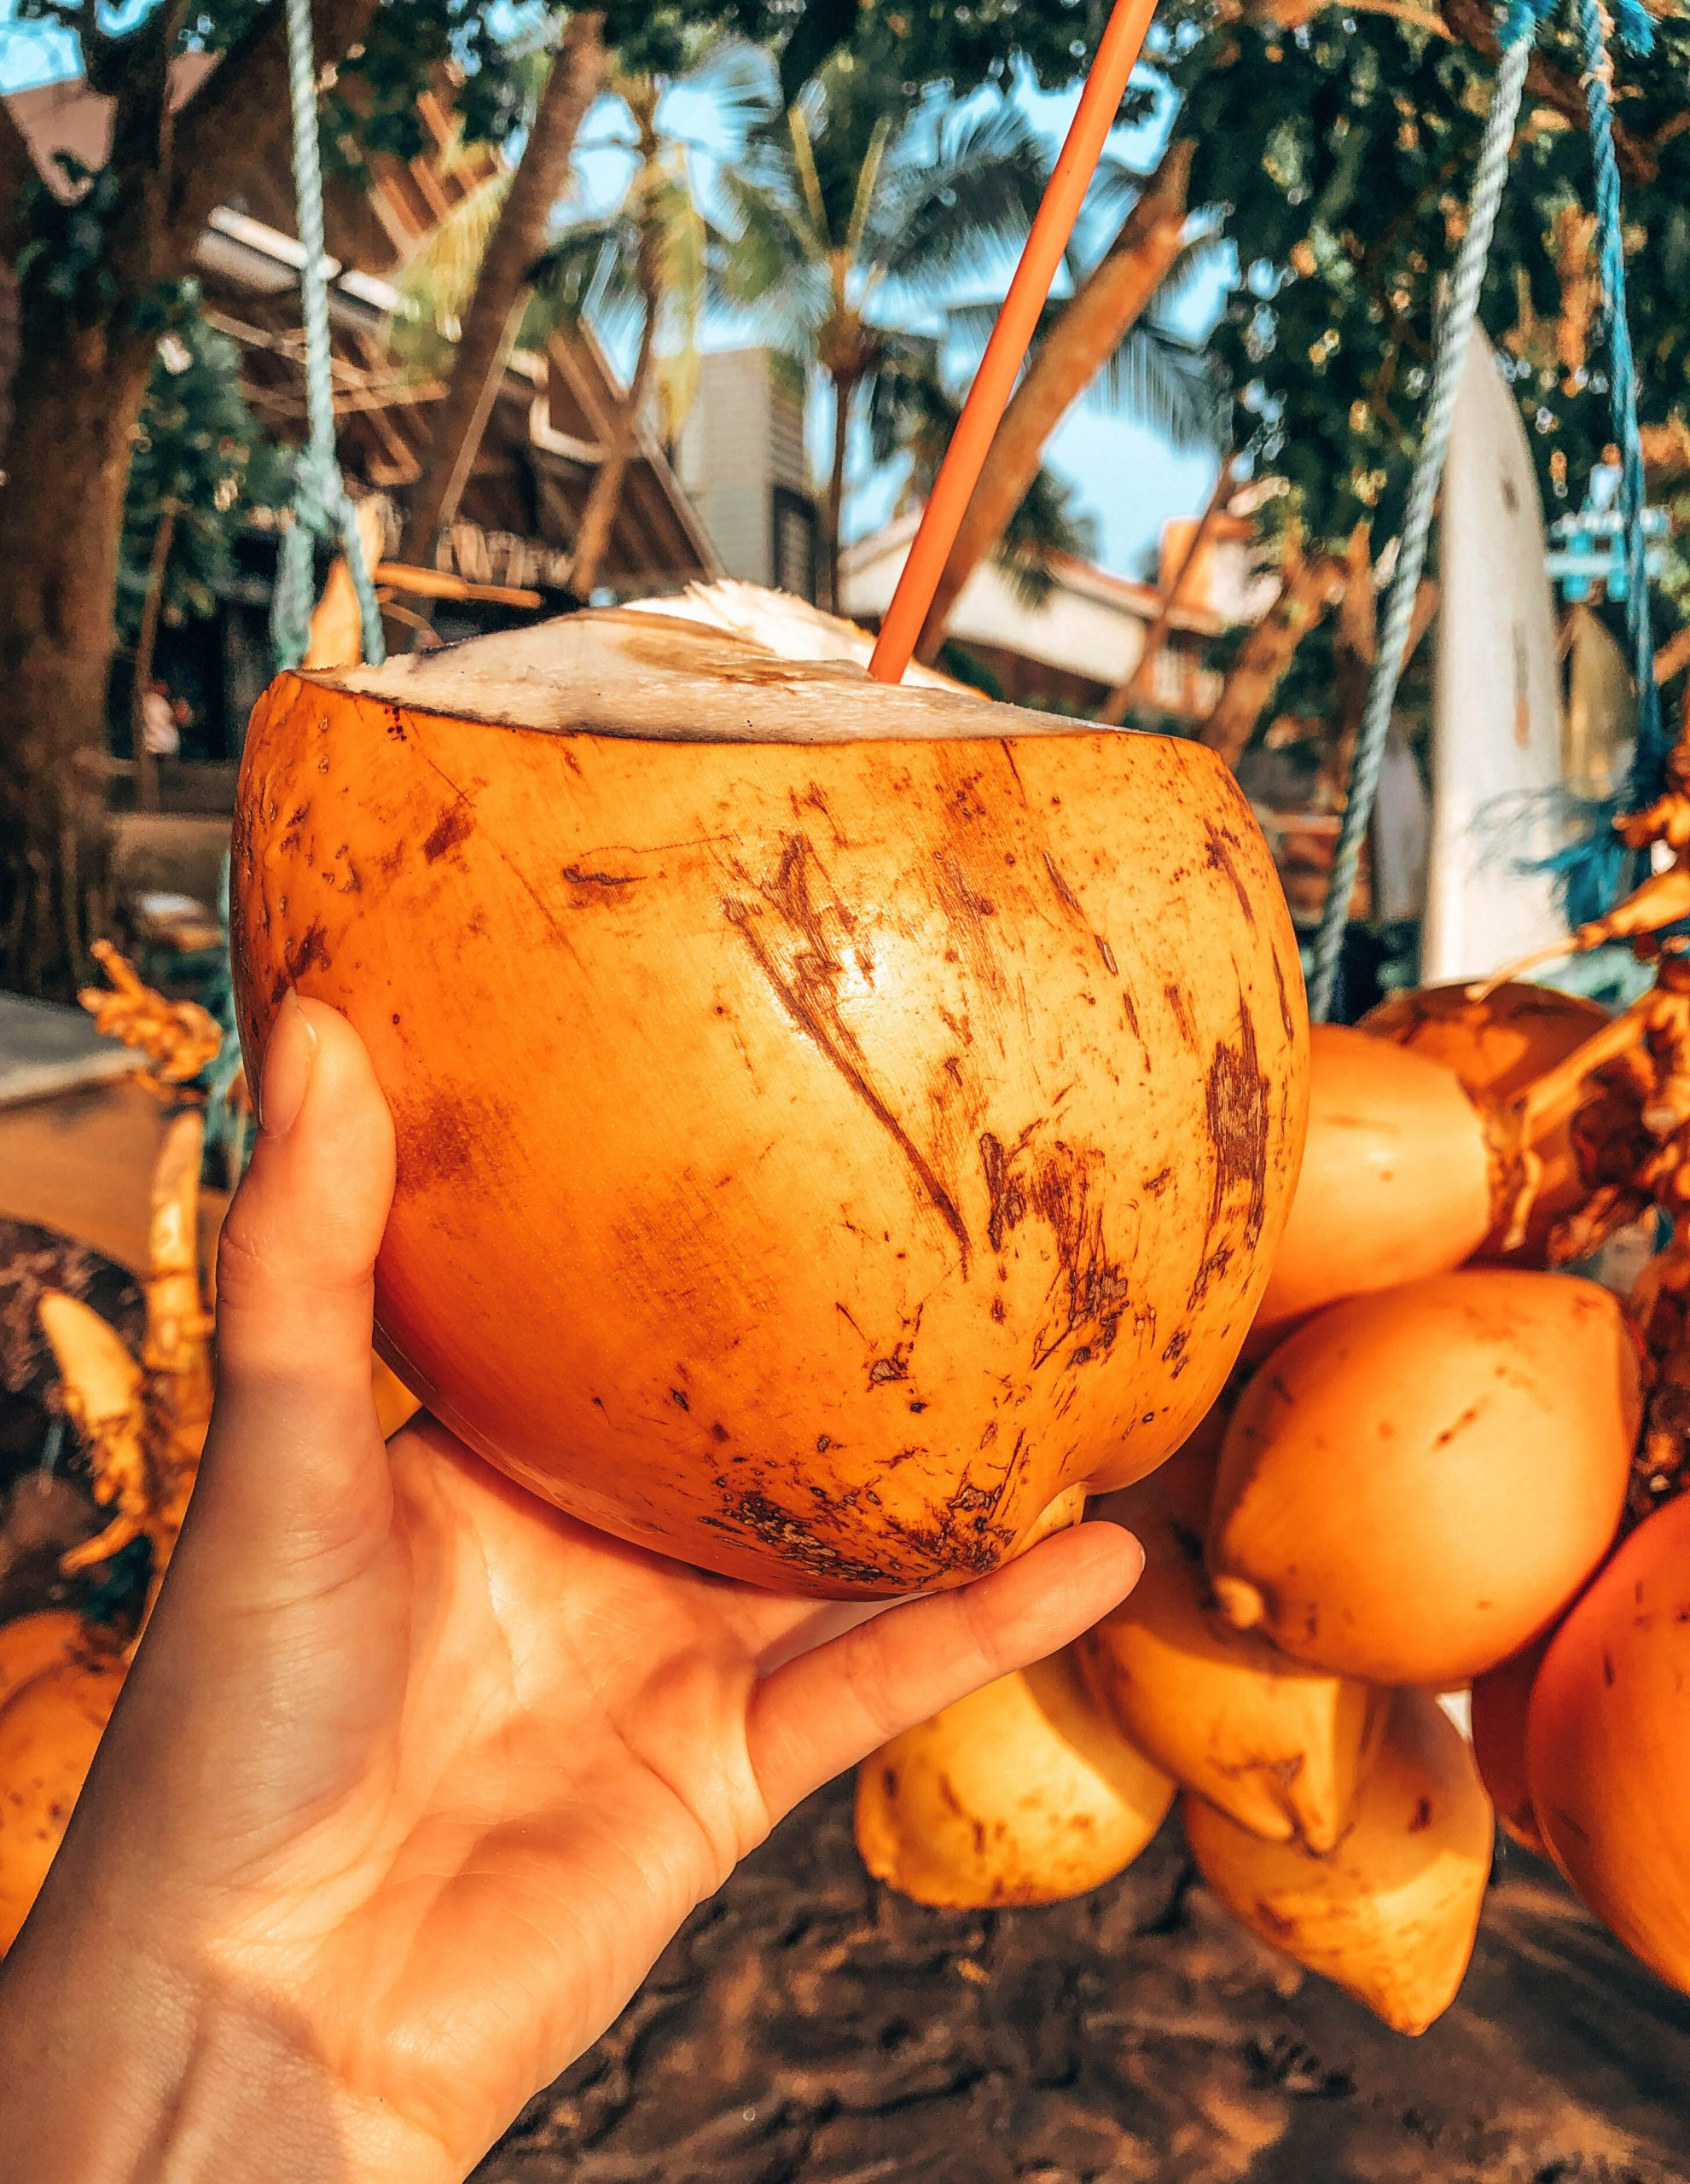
[289, 1059]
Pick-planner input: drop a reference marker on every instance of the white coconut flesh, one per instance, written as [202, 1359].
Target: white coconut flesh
[655, 678]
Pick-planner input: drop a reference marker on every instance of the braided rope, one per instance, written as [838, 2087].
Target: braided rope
[1454, 336]
[321, 505]
[1596, 28]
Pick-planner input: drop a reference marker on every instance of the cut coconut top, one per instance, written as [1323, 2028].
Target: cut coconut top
[789, 627]
[633, 672]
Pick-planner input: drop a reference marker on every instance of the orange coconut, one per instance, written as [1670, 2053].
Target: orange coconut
[1391, 1912]
[1415, 1484]
[1499, 1701]
[1497, 1045]
[832, 1121]
[1279, 1745]
[49, 1728]
[1023, 1792]
[31, 1643]
[1396, 1180]
[1607, 1755]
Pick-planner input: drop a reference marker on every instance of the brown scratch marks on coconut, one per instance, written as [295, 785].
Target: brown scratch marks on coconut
[803, 978]
[1105, 955]
[578, 878]
[1219, 858]
[1236, 1099]
[887, 1369]
[797, 1543]
[1014, 770]
[1442, 1439]
[1174, 995]
[967, 913]
[1065, 894]
[1130, 1013]
[1006, 1193]
[454, 824]
[1095, 1286]
[436, 1141]
[310, 951]
[1286, 1019]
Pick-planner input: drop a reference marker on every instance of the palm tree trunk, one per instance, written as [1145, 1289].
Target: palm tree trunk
[1126, 696]
[833, 512]
[599, 515]
[517, 240]
[1092, 325]
[146, 644]
[1268, 650]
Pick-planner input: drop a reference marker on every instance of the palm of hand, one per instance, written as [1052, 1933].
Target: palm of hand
[530, 1749]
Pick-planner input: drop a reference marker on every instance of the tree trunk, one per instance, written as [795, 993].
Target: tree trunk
[146, 644]
[1126, 696]
[1094, 322]
[1267, 652]
[518, 239]
[593, 537]
[61, 516]
[833, 511]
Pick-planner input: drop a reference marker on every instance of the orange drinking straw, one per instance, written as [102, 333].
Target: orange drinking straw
[965, 458]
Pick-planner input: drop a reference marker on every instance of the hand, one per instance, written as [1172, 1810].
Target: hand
[413, 1778]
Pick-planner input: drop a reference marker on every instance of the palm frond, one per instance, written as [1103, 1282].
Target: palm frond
[1164, 383]
[1045, 527]
[977, 192]
[437, 280]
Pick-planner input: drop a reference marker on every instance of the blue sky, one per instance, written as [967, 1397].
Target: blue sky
[1127, 479]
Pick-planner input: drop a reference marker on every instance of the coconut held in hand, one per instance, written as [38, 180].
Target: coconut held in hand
[833, 1120]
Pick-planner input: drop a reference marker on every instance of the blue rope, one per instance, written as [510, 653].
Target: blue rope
[321, 505]
[1454, 336]
[1639, 34]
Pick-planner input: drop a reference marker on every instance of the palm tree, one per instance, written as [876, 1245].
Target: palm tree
[1111, 335]
[912, 414]
[636, 270]
[853, 195]
[640, 269]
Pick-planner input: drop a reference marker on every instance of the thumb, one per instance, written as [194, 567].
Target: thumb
[294, 1469]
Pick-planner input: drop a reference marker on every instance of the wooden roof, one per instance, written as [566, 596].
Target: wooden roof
[523, 503]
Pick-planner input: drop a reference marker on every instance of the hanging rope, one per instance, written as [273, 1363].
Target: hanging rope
[1454, 336]
[321, 506]
[1595, 870]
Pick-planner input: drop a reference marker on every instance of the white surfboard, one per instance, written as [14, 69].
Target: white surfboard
[1497, 749]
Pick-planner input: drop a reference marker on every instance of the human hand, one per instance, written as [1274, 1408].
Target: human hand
[413, 1778]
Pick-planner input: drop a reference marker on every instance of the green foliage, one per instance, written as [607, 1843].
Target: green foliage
[1340, 157]
[912, 413]
[201, 459]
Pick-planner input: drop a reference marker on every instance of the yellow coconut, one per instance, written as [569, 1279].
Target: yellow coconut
[1500, 1698]
[49, 1729]
[1496, 1043]
[1022, 1793]
[395, 1405]
[1607, 1752]
[1280, 1747]
[1395, 1183]
[1390, 1914]
[1414, 1484]
[833, 1121]
[34, 1642]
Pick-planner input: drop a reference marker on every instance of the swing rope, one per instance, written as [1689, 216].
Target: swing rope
[1525, 18]
[1454, 336]
[1648, 767]
[321, 505]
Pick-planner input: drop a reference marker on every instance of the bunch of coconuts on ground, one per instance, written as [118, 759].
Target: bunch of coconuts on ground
[1427, 1477]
